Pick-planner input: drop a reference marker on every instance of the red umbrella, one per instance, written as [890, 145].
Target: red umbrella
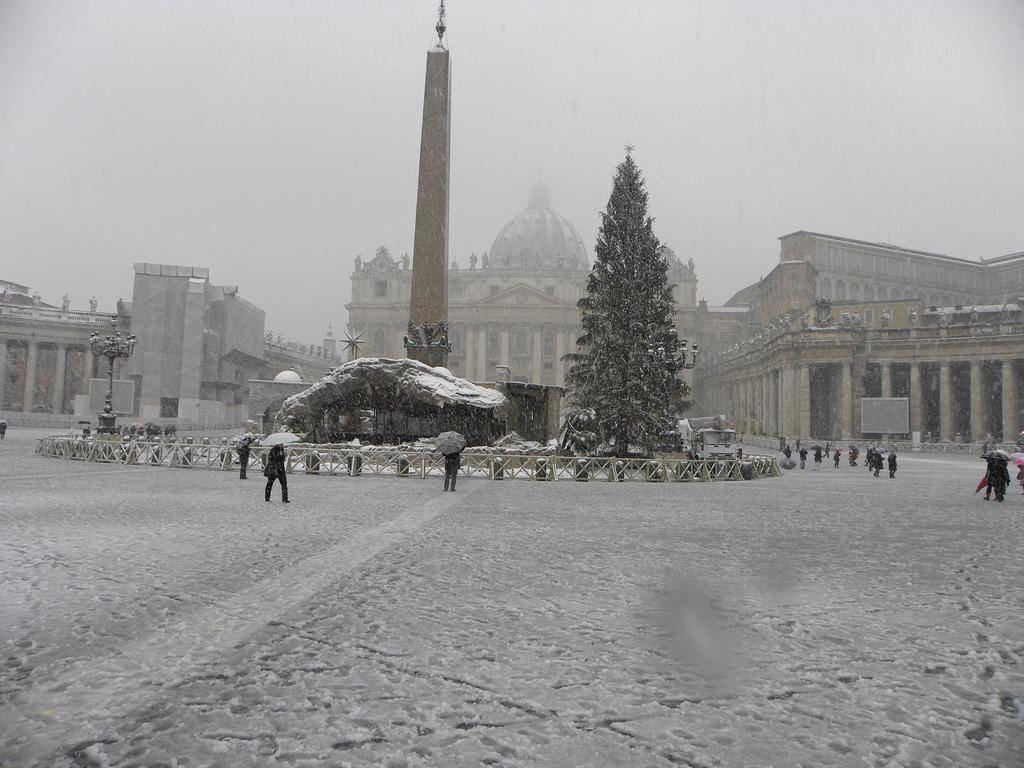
[982, 484]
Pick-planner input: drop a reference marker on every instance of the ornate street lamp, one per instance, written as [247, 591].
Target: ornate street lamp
[670, 354]
[112, 347]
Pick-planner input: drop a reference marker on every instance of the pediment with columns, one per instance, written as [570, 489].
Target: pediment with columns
[522, 295]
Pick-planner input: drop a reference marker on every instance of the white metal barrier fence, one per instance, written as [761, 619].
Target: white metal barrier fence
[395, 462]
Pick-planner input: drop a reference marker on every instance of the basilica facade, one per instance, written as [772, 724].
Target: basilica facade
[512, 311]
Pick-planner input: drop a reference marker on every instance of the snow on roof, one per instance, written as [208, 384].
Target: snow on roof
[737, 310]
[979, 308]
[396, 381]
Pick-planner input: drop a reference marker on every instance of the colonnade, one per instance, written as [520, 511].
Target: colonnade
[957, 396]
[19, 381]
[481, 353]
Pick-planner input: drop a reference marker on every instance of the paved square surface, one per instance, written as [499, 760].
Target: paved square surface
[169, 617]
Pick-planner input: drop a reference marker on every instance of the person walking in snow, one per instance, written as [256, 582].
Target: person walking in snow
[787, 451]
[1000, 478]
[452, 462]
[276, 470]
[892, 464]
[854, 453]
[835, 459]
[876, 462]
[3, 428]
[1020, 478]
[817, 457]
[243, 458]
[803, 457]
[989, 473]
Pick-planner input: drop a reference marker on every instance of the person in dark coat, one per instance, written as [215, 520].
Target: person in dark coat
[452, 462]
[817, 456]
[243, 459]
[990, 464]
[276, 470]
[876, 462]
[869, 458]
[835, 458]
[854, 453]
[787, 451]
[892, 464]
[1000, 478]
[803, 457]
[3, 428]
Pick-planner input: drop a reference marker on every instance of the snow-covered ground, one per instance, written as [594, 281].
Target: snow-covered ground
[162, 617]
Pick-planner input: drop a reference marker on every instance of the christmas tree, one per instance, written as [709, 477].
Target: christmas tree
[627, 313]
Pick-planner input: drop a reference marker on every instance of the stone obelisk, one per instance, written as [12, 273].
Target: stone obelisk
[428, 302]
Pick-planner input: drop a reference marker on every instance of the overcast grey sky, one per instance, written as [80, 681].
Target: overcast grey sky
[273, 141]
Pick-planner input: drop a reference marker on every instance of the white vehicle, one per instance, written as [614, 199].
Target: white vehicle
[716, 443]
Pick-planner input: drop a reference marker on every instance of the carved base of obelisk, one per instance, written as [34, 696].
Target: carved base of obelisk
[428, 343]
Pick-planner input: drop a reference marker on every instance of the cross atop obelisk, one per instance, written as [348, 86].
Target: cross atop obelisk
[428, 304]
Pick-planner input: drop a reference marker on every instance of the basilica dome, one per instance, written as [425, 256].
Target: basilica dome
[538, 239]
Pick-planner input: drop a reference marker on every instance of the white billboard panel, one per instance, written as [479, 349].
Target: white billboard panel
[123, 399]
[885, 415]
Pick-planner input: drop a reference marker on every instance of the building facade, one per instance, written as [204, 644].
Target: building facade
[513, 311]
[199, 345]
[838, 320]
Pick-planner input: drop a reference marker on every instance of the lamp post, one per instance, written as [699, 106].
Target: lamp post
[112, 347]
[668, 353]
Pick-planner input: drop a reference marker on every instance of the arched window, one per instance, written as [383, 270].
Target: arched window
[825, 288]
[854, 291]
[869, 293]
[840, 290]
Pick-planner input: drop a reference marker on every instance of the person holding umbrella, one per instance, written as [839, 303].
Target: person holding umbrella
[244, 447]
[276, 467]
[999, 475]
[451, 445]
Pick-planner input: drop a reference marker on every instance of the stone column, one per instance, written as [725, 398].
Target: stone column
[1010, 406]
[886, 374]
[29, 400]
[945, 402]
[90, 368]
[58, 378]
[468, 360]
[774, 404]
[762, 400]
[481, 354]
[785, 401]
[3, 370]
[805, 400]
[977, 403]
[916, 413]
[559, 354]
[846, 400]
[535, 359]
[503, 356]
[780, 411]
[748, 406]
